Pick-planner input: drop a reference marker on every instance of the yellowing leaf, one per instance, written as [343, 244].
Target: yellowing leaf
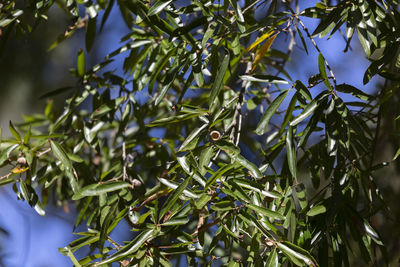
[18, 169]
[261, 52]
[259, 40]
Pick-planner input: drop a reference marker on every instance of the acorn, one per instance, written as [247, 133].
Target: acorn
[136, 183]
[215, 135]
[21, 161]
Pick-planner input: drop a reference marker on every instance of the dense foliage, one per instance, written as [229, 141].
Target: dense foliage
[203, 142]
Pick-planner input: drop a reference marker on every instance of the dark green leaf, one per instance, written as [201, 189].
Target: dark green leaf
[158, 7]
[90, 33]
[217, 85]
[14, 132]
[174, 197]
[271, 110]
[318, 209]
[322, 70]
[131, 248]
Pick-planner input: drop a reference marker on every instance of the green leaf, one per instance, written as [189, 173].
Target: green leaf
[254, 187]
[296, 254]
[318, 209]
[303, 90]
[272, 260]
[130, 248]
[218, 174]
[253, 169]
[185, 164]
[100, 188]
[308, 110]
[81, 63]
[202, 201]
[217, 85]
[266, 212]
[205, 157]
[291, 152]
[90, 33]
[27, 136]
[271, 110]
[348, 89]
[60, 154]
[191, 140]
[372, 233]
[263, 79]
[175, 119]
[158, 7]
[173, 185]
[70, 254]
[176, 221]
[14, 132]
[174, 197]
[322, 70]
[5, 153]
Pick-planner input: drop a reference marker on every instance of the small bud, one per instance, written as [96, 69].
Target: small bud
[21, 160]
[269, 242]
[215, 135]
[136, 183]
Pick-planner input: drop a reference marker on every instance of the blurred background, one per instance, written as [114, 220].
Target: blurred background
[28, 70]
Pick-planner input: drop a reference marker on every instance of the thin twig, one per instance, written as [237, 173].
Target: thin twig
[251, 5]
[317, 48]
[124, 175]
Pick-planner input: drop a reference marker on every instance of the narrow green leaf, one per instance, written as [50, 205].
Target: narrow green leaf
[271, 110]
[266, 212]
[5, 153]
[291, 152]
[322, 70]
[202, 201]
[90, 33]
[318, 209]
[217, 85]
[130, 248]
[184, 162]
[218, 175]
[70, 254]
[176, 221]
[303, 90]
[81, 63]
[27, 136]
[394, 158]
[272, 260]
[254, 187]
[372, 233]
[205, 157]
[264, 79]
[175, 119]
[296, 254]
[174, 197]
[349, 89]
[60, 154]
[305, 113]
[170, 184]
[253, 169]
[98, 189]
[158, 7]
[14, 132]
[190, 141]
